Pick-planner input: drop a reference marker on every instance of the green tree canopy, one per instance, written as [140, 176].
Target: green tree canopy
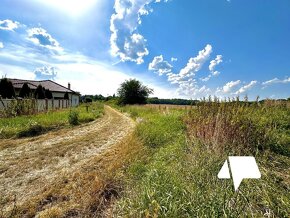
[39, 92]
[6, 88]
[25, 91]
[133, 92]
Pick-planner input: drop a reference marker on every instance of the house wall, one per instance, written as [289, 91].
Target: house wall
[57, 94]
[75, 100]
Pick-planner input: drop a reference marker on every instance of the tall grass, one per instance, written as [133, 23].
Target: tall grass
[239, 127]
[176, 174]
[28, 124]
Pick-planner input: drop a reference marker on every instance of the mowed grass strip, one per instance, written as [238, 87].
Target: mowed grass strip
[32, 125]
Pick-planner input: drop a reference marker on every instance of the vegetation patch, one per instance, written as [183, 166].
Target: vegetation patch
[176, 174]
[32, 125]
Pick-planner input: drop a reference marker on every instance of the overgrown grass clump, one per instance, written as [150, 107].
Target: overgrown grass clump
[239, 127]
[73, 118]
[175, 175]
[32, 125]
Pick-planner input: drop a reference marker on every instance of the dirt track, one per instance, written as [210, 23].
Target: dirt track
[27, 165]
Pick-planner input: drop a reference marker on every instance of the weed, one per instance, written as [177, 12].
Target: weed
[73, 118]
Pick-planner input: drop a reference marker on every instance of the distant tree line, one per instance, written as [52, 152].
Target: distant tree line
[91, 98]
[175, 101]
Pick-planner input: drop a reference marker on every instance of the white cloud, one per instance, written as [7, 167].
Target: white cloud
[191, 89]
[187, 85]
[9, 25]
[84, 73]
[211, 67]
[230, 86]
[1, 45]
[215, 62]
[246, 87]
[173, 59]
[195, 64]
[46, 72]
[205, 79]
[126, 42]
[15, 72]
[160, 66]
[275, 81]
[40, 37]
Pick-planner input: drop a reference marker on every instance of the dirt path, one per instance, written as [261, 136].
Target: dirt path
[27, 165]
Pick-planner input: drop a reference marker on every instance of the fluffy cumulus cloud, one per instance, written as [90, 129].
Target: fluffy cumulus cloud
[1, 45]
[41, 37]
[275, 81]
[247, 87]
[44, 73]
[160, 66]
[215, 62]
[212, 66]
[9, 25]
[185, 79]
[126, 42]
[228, 87]
[195, 64]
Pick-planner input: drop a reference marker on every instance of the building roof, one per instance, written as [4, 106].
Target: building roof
[47, 84]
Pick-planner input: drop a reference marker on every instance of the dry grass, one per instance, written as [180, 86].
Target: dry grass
[66, 173]
[169, 106]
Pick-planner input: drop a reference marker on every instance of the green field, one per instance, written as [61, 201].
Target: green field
[45, 121]
[175, 174]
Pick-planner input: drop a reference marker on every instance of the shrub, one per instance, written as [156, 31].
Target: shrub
[88, 100]
[25, 91]
[66, 96]
[73, 118]
[39, 92]
[48, 94]
[6, 88]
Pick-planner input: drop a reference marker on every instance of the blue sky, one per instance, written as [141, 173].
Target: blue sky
[180, 48]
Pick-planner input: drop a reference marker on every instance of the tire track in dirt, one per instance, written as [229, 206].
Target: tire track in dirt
[26, 165]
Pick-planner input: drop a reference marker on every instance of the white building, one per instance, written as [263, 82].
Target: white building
[58, 91]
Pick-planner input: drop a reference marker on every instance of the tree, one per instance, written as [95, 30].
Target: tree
[39, 92]
[48, 94]
[133, 92]
[25, 91]
[66, 96]
[6, 88]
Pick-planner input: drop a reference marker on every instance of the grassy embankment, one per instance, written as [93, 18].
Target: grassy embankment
[175, 174]
[30, 125]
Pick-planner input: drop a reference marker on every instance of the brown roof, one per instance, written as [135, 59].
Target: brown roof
[47, 84]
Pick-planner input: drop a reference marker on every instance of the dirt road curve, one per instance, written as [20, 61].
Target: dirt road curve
[27, 165]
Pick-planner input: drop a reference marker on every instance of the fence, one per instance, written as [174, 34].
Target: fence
[37, 105]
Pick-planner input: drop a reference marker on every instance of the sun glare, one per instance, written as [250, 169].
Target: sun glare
[71, 7]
